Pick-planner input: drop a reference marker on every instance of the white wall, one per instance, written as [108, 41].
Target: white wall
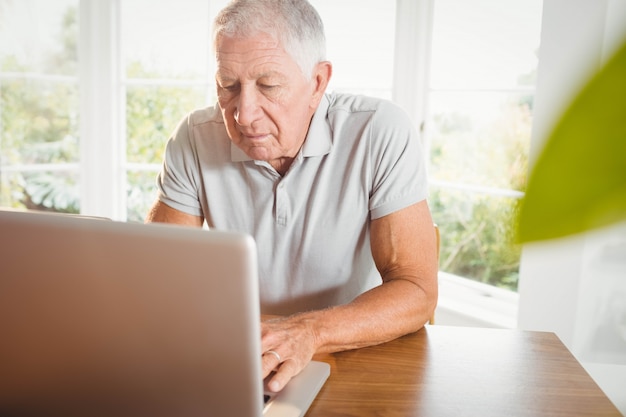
[576, 287]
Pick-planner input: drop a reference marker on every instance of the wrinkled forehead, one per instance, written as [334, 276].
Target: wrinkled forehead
[246, 43]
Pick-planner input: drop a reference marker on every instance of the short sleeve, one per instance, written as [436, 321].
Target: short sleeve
[399, 177]
[178, 180]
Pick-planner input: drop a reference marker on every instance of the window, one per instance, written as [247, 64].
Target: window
[90, 92]
[362, 58]
[88, 135]
[480, 95]
[166, 73]
[39, 93]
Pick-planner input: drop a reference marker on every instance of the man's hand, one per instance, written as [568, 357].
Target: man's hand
[288, 344]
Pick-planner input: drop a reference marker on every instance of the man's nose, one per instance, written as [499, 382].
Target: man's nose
[248, 107]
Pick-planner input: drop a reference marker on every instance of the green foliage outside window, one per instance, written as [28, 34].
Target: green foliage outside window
[478, 229]
[152, 113]
[39, 126]
[477, 236]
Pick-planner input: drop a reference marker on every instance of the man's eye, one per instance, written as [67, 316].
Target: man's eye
[230, 88]
[268, 86]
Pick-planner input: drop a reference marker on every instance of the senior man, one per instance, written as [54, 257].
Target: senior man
[331, 186]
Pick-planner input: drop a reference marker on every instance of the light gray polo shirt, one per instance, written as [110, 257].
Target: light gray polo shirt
[362, 159]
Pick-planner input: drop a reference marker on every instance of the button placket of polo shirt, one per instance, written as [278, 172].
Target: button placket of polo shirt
[281, 203]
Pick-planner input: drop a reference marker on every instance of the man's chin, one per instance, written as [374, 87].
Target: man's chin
[259, 153]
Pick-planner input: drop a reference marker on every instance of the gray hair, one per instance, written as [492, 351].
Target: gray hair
[295, 24]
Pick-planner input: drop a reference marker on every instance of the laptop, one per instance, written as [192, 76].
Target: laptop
[104, 318]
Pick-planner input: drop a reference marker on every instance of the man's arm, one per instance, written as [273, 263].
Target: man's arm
[404, 250]
[162, 213]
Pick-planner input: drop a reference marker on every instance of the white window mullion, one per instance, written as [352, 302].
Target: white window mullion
[102, 177]
[412, 57]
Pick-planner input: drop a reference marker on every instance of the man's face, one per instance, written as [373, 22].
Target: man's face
[266, 101]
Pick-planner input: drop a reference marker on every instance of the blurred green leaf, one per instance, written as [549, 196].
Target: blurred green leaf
[579, 180]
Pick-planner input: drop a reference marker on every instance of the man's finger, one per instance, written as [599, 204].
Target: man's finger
[270, 361]
[285, 372]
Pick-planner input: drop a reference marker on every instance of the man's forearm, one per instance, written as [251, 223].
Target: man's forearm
[162, 213]
[381, 314]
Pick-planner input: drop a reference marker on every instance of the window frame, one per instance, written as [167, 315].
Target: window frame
[102, 132]
[462, 301]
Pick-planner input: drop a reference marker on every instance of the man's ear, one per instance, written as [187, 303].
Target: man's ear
[321, 78]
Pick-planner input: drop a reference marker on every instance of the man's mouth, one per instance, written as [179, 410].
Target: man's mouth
[254, 137]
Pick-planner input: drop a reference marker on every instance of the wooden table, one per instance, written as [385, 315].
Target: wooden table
[456, 371]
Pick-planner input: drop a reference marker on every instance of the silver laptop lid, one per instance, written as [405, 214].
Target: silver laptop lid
[105, 318]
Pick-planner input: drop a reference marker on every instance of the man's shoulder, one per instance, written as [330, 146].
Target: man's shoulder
[355, 103]
[203, 125]
[381, 112]
[210, 114]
